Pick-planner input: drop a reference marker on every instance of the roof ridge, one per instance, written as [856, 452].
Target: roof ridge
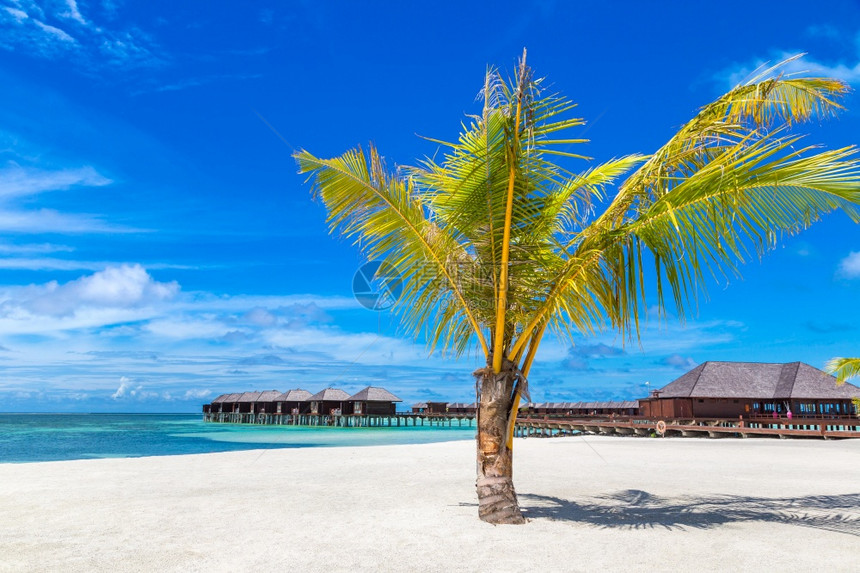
[794, 378]
[703, 365]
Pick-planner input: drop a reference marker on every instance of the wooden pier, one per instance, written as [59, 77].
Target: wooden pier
[404, 419]
[547, 426]
[822, 428]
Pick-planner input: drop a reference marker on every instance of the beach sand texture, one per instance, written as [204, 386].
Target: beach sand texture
[595, 504]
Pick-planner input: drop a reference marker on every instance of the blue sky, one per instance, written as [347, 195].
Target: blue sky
[157, 247]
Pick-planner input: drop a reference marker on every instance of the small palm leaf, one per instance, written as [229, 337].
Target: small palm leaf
[843, 368]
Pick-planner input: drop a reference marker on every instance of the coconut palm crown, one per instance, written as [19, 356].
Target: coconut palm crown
[843, 369]
[499, 240]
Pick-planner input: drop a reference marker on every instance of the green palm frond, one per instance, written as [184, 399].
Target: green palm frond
[746, 199]
[843, 368]
[390, 219]
[745, 114]
[721, 187]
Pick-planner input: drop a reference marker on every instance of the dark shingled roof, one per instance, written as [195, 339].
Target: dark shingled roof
[227, 398]
[249, 397]
[373, 394]
[583, 405]
[268, 396]
[329, 395]
[758, 381]
[297, 395]
[420, 405]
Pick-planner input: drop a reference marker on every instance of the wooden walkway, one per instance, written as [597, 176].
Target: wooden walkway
[826, 428]
[404, 419]
[712, 428]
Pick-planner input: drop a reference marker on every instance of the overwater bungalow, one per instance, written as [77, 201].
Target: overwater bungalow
[462, 408]
[293, 402]
[266, 402]
[245, 402]
[750, 389]
[330, 401]
[373, 401]
[430, 408]
[578, 409]
[225, 403]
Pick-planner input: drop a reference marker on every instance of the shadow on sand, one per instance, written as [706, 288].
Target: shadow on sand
[635, 509]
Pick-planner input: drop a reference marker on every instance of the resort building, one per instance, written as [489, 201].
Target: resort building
[619, 408]
[733, 389]
[373, 401]
[328, 401]
[293, 402]
[369, 401]
[430, 408]
[266, 402]
[225, 403]
[462, 408]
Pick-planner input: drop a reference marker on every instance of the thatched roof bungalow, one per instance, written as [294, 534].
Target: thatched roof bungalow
[732, 389]
[293, 402]
[328, 401]
[266, 402]
[462, 408]
[373, 401]
[225, 403]
[430, 408]
[617, 408]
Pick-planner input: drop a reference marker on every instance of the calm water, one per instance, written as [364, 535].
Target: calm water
[51, 437]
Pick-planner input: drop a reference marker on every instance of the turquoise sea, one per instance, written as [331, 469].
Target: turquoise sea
[52, 437]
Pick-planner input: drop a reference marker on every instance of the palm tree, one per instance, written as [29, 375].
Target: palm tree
[843, 369]
[500, 241]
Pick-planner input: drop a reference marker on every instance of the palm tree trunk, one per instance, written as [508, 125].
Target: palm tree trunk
[497, 500]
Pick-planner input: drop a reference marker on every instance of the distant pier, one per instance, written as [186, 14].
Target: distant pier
[398, 420]
[546, 426]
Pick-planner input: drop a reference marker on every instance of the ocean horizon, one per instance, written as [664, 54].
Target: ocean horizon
[43, 437]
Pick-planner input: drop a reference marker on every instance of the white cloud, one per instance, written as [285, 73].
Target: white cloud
[128, 285]
[51, 221]
[48, 264]
[849, 267]
[187, 328]
[19, 15]
[55, 32]
[19, 181]
[54, 264]
[123, 287]
[95, 47]
[127, 388]
[73, 13]
[196, 394]
[847, 69]
[130, 388]
[40, 248]
[679, 362]
[259, 316]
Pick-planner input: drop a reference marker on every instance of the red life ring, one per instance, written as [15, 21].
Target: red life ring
[661, 427]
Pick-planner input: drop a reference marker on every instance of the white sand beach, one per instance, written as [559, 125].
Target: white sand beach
[594, 503]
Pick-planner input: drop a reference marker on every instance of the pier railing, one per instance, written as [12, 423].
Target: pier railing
[692, 427]
[553, 425]
[400, 419]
